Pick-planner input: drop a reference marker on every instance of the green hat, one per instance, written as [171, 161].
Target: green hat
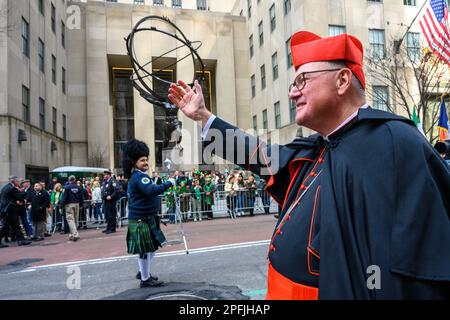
[197, 172]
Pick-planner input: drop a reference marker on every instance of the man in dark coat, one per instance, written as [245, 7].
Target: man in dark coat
[10, 204]
[365, 206]
[40, 201]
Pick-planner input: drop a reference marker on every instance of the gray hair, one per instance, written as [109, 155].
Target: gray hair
[72, 179]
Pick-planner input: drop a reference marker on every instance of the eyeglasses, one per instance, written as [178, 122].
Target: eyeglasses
[300, 81]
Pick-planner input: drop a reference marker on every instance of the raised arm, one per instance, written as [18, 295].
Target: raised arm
[227, 141]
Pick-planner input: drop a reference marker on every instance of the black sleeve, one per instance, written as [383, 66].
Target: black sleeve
[231, 143]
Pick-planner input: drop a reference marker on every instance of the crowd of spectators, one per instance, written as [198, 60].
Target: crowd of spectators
[34, 213]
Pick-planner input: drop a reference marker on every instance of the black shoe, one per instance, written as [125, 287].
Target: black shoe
[105, 231]
[95, 222]
[85, 228]
[110, 231]
[138, 277]
[47, 235]
[23, 243]
[38, 239]
[3, 246]
[151, 283]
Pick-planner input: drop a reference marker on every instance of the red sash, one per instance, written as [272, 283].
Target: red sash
[281, 288]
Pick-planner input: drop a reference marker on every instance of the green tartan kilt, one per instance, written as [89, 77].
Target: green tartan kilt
[144, 235]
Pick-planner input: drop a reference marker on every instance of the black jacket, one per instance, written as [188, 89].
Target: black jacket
[72, 194]
[39, 204]
[9, 196]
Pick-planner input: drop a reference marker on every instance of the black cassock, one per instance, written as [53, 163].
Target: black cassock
[365, 211]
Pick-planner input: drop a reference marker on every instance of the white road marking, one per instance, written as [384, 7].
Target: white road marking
[160, 255]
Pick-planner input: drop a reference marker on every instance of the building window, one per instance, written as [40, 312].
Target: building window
[41, 53]
[287, 6]
[381, 98]
[159, 3]
[277, 115]
[334, 30]
[273, 21]
[289, 60]
[263, 76]
[63, 76]
[176, 3]
[123, 112]
[292, 111]
[377, 43]
[42, 113]
[139, 1]
[201, 5]
[63, 34]
[25, 38]
[275, 66]
[265, 123]
[64, 126]
[54, 121]
[410, 2]
[249, 8]
[253, 84]
[255, 123]
[53, 69]
[25, 104]
[413, 46]
[261, 33]
[53, 18]
[41, 7]
[250, 40]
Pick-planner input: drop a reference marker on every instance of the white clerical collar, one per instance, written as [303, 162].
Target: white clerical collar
[346, 121]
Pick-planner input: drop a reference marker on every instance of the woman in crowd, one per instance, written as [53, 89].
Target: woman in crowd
[209, 190]
[197, 200]
[55, 199]
[97, 202]
[240, 195]
[231, 189]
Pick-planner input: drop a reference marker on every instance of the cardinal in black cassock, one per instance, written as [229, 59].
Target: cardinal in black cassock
[365, 207]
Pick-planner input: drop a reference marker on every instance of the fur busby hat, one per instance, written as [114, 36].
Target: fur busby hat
[132, 151]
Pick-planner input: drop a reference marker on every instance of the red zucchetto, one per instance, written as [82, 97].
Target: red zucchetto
[308, 47]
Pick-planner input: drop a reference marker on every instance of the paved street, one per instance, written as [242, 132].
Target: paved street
[226, 260]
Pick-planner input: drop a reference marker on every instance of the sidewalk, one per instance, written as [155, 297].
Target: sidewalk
[96, 245]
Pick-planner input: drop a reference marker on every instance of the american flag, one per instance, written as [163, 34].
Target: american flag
[435, 28]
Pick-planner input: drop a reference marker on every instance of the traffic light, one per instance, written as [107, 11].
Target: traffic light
[443, 147]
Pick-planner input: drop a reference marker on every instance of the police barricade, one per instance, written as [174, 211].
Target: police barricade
[122, 211]
[170, 212]
[89, 215]
[222, 204]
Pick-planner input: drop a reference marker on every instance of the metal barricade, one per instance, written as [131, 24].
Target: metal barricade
[90, 215]
[225, 204]
[122, 211]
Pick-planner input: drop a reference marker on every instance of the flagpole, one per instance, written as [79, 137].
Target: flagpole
[409, 27]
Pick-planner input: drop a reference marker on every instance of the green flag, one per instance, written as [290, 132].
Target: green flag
[416, 120]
